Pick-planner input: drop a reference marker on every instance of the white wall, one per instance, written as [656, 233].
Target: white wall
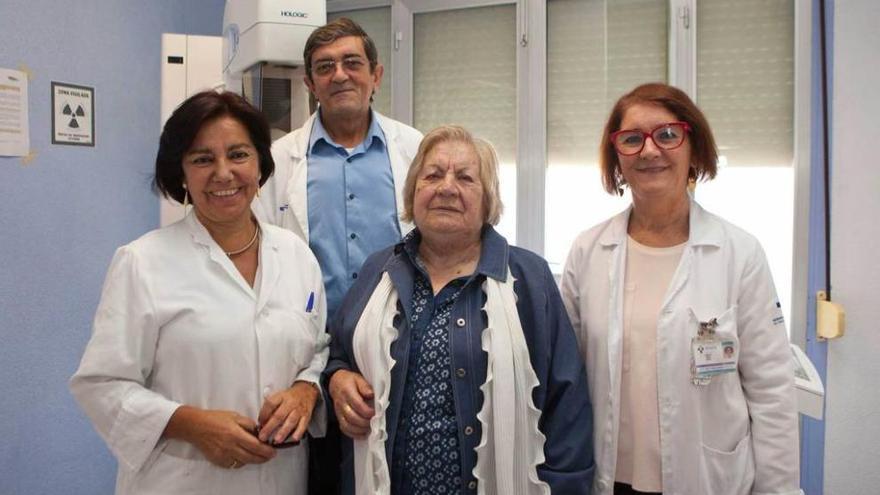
[852, 435]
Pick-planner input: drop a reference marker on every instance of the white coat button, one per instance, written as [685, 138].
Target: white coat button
[460, 322]
[266, 391]
[472, 485]
[602, 485]
[265, 312]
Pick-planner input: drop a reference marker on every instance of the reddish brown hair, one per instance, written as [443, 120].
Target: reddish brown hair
[704, 154]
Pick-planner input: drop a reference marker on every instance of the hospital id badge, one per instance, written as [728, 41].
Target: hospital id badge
[711, 355]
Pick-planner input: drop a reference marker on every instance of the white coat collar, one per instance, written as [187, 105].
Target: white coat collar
[269, 262]
[705, 229]
[300, 147]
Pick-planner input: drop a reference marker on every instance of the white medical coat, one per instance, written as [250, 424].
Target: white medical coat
[737, 435]
[283, 198]
[178, 325]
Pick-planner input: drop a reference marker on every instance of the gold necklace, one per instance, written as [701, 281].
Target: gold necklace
[247, 246]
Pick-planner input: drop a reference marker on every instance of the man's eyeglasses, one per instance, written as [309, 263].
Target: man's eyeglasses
[667, 136]
[349, 64]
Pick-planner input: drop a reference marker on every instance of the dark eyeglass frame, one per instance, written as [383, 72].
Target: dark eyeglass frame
[684, 125]
[323, 68]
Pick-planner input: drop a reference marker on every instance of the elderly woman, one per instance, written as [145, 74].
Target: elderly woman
[678, 321]
[209, 339]
[453, 364]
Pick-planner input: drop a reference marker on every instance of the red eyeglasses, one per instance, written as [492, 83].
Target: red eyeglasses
[666, 136]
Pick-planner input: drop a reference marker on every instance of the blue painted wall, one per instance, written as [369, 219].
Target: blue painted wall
[64, 214]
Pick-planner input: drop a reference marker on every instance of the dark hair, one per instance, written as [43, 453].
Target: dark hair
[332, 31]
[704, 154]
[185, 123]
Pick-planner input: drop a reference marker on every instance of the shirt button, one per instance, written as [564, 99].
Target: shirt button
[266, 391]
[354, 275]
[353, 235]
[460, 322]
[351, 196]
[460, 372]
[472, 485]
[468, 430]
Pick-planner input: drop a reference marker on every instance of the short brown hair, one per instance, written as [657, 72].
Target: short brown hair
[486, 155]
[704, 154]
[332, 31]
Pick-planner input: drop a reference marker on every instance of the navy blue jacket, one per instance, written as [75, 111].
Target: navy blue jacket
[562, 396]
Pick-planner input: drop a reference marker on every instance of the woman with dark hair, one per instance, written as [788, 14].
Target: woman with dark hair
[209, 341]
[678, 321]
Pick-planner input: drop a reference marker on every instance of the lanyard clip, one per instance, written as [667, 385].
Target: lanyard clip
[707, 328]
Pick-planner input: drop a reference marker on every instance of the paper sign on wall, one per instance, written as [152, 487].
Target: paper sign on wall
[14, 135]
[73, 114]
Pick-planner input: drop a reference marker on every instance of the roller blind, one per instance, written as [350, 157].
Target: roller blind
[597, 50]
[464, 72]
[745, 78]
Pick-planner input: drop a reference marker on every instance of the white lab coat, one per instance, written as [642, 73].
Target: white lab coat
[283, 199]
[737, 435]
[178, 324]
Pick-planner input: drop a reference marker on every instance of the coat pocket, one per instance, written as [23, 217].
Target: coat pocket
[298, 335]
[729, 473]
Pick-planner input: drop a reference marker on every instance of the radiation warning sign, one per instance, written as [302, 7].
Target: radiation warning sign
[73, 114]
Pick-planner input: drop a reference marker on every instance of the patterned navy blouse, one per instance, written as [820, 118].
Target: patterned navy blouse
[427, 439]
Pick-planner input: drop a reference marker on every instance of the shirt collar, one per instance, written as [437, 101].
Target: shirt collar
[319, 133]
[493, 252]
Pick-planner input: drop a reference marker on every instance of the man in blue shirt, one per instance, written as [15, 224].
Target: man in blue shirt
[338, 178]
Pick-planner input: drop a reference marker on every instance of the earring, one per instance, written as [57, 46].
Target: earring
[259, 186]
[185, 199]
[692, 179]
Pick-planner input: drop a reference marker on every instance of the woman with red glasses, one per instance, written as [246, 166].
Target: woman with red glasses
[677, 318]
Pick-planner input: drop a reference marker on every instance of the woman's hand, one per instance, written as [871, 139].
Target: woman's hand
[222, 436]
[351, 398]
[288, 412]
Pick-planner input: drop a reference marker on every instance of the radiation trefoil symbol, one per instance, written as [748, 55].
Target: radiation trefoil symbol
[79, 112]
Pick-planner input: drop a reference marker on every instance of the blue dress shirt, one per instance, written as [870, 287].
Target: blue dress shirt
[352, 207]
[562, 395]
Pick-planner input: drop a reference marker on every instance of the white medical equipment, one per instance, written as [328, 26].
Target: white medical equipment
[808, 385]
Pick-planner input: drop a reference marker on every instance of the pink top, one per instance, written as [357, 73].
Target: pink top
[649, 271]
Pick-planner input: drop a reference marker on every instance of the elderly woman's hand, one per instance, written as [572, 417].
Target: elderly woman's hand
[287, 413]
[224, 437]
[351, 396]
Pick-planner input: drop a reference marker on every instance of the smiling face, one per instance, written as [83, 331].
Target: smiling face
[345, 92]
[448, 196]
[654, 173]
[222, 171]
